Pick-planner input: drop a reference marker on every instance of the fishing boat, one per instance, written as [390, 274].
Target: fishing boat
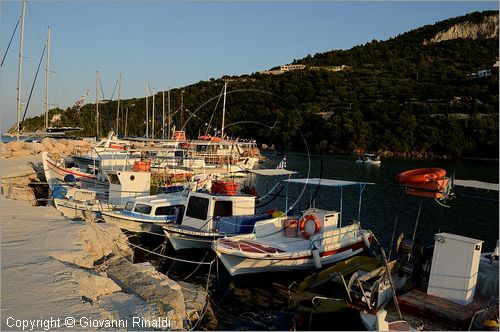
[58, 172]
[221, 213]
[110, 153]
[359, 282]
[78, 203]
[210, 216]
[149, 210]
[369, 158]
[315, 238]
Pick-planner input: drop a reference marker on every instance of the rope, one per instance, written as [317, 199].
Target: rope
[170, 257]
[416, 223]
[33, 86]
[10, 41]
[93, 225]
[395, 223]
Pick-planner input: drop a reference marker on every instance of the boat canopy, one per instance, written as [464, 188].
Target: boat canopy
[272, 172]
[333, 183]
[476, 184]
[327, 182]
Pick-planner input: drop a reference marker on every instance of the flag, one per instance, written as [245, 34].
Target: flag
[282, 164]
[79, 103]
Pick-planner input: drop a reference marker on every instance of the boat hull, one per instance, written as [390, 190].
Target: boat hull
[129, 223]
[55, 174]
[181, 240]
[79, 209]
[237, 264]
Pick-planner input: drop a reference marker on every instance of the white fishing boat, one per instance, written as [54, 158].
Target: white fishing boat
[315, 238]
[56, 171]
[369, 158]
[149, 210]
[221, 213]
[211, 216]
[110, 153]
[77, 203]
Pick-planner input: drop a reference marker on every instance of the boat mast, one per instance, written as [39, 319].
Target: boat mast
[118, 110]
[20, 68]
[163, 115]
[169, 114]
[153, 117]
[147, 116]
[97, 103]
[224, 110]
[182, 109]
[47, 63]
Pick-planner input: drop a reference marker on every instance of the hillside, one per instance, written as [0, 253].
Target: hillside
[433, 90]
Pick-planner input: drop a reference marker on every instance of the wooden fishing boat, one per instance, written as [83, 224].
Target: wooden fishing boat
[321, 239]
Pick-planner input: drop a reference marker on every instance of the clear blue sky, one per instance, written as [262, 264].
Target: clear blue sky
[179, 43]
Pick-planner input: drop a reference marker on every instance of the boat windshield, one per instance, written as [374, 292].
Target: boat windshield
[129, 206]
[197, 208]
[223, 209]
[168, 210]
[142, 208]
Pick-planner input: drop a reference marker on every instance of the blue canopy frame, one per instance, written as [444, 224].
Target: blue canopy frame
[331, 183]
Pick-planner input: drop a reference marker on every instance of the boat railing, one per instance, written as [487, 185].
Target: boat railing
[316, 240]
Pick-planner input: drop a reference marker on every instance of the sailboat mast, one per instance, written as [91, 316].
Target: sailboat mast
[163, 115]
[97, 103]
[20, 69]
[182, 110]
[47, 63]
[147, 110]
[153, 117]
[169, 114]
[119, 97]
[224, 109]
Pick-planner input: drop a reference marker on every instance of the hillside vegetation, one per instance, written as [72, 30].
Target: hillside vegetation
[410, 95]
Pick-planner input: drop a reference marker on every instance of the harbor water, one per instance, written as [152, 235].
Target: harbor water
[251, 302]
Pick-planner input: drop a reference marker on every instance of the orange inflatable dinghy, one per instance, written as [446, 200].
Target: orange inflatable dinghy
[420, 175]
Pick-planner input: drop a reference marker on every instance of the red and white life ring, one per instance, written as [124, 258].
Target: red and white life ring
[303, 223]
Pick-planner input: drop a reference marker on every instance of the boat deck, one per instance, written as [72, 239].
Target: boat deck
[422, 304]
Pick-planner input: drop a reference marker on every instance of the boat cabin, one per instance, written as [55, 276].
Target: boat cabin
[168, 208]
[124, 185]
[204, 210]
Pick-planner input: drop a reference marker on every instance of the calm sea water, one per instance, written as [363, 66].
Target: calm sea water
[252, 303]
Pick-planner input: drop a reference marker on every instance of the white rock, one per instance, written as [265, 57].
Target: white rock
[92, 286]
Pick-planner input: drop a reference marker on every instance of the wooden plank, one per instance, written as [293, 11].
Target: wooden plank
[433, 307]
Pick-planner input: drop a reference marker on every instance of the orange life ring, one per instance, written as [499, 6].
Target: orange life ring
[420, 175]
[303, 222]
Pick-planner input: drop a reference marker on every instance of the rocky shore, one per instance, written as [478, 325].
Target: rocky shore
[53, 268]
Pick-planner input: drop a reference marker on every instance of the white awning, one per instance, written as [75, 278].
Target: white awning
[476, 184]
[272, 172]
[327, 182]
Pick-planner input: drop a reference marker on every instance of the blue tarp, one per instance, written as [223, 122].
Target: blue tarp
[239, 224]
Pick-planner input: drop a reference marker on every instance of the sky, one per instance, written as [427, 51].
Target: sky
[173, 44]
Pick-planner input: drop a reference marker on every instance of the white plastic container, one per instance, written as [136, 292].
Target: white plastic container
[455, 264]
